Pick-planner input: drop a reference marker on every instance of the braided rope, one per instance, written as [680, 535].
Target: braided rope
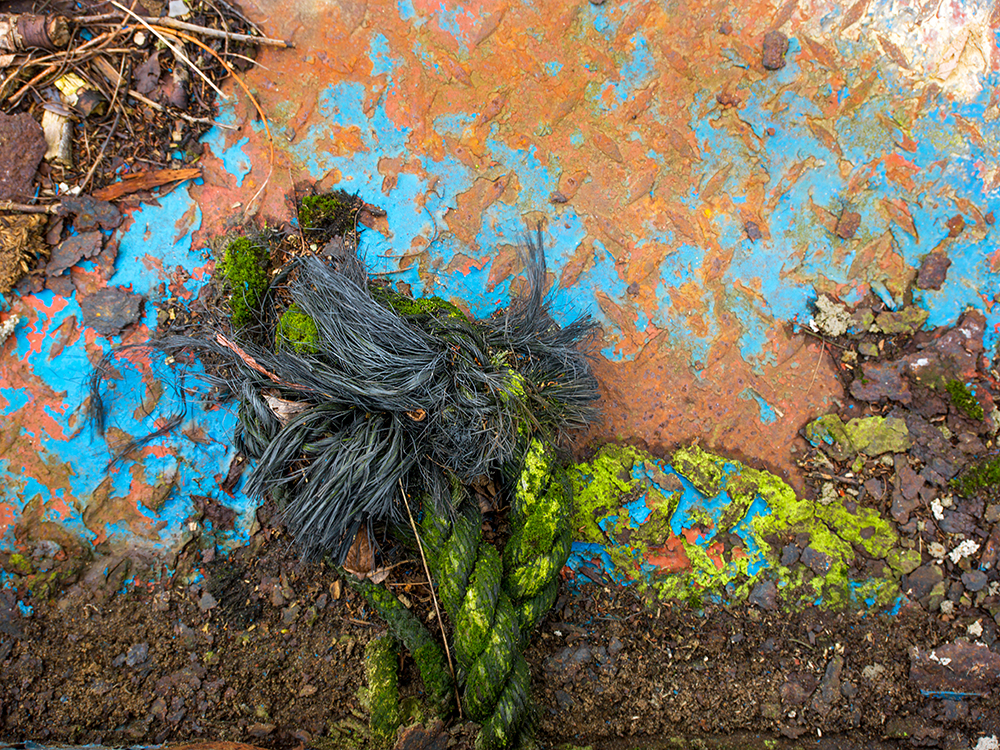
[491, 669]
[383, 690]
[416, 638]
[493, 602]
[541, 537]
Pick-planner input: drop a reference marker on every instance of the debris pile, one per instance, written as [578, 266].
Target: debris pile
[362, 408]
[100, 108]
[917, 440]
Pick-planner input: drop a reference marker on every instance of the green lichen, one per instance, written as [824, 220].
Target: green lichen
[18, 563]
[963, 400]
[981, 476]
[705, 476]
[609, 480]
[297, 331]
[330, 214]
[909, 320]
[244, 267]
[42, 584]
[871, 436]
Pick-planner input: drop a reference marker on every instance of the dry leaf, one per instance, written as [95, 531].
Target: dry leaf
[284, 409]
[377, 576]
[360, 560]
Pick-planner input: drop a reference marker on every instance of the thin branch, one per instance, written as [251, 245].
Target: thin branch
[174, 23]
[64, 60]
[430, 585]
[26, 208]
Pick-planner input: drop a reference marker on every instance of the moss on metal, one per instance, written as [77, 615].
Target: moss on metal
[604, 484]
[330, 214]
[871, 436]
[244, 267]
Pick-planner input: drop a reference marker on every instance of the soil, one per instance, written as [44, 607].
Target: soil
[260, 648]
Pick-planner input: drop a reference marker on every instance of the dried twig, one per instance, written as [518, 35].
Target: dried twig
[178, 53]
[253, 364]
[64, 59]
[26, 208]
[174, 23]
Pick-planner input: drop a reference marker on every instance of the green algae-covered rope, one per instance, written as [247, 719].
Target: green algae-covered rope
[491, 669]
[412, 633]
[383, 690]
[541, 536]
[493, 603]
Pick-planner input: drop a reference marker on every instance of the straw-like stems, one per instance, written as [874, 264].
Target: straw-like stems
[179, 53]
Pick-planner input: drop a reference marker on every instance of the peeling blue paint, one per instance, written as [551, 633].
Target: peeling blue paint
[767, 413]
[637, 71]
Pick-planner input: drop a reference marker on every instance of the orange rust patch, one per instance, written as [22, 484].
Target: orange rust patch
[714, 552]
[669, 557]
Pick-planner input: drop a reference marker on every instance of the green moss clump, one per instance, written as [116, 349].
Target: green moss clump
[298, 331]
[244, 267]
[408, 307]
[963, 400]
[331, 214]
[983, 475]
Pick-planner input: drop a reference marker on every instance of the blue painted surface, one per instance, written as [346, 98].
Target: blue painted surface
[795, 257]
[161, 232]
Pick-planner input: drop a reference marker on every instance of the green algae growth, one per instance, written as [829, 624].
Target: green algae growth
[699, 561]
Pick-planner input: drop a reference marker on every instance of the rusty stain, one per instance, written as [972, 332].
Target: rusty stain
[461, 121]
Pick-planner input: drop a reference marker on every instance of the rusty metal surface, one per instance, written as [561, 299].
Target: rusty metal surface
[693, 199]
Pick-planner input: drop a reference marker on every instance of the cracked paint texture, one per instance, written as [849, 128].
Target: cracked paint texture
[689, 199]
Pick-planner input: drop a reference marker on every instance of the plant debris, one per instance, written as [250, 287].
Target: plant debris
[94, 108]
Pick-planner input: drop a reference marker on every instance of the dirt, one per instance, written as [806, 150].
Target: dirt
[260, 648]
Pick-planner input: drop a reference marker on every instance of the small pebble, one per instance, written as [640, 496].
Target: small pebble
[775, 49]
